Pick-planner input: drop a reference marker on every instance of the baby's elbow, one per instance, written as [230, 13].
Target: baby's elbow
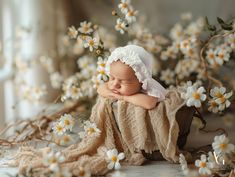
[150, 105]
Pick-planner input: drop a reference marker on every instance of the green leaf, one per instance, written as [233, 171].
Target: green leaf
[220, 20]
[225, 26]
[208, 26]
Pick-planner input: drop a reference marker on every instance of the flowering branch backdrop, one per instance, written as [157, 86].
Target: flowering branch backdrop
[195, 56]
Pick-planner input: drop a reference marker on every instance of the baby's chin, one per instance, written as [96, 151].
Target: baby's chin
[127, 93]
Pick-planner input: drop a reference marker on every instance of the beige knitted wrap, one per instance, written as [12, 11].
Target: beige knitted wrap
[138, 129]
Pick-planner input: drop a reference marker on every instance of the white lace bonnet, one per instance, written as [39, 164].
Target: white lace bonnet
[141, 62]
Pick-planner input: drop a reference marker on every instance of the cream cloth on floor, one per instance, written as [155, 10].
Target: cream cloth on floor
[140, 129]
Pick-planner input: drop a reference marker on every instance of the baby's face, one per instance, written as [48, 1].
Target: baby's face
[123, 80]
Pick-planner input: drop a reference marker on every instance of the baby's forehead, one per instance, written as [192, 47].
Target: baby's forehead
[121, 69]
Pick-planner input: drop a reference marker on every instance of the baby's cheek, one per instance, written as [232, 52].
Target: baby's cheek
[125, 90]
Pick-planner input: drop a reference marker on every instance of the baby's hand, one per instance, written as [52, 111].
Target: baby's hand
[118, 96]
[105, 92]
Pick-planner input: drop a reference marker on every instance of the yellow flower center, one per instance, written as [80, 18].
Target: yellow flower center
[196, 96]
[66, 122]
[59, 175]
[218, 95]
[75, 91]
[53, 160]
[222, 99]
[81, 173]
[102, 64]
[83, 37]
[202, 164]
[213, 104]
[85, 28]
[185, 44]
[59, 128]
[102, 72]
[190, 52]
[222, 146]
[91, 43]
[124, 5]
[130, 13]
[221, 56]
[114, 158]
[91, 130]
[211, 56]
[119, 26]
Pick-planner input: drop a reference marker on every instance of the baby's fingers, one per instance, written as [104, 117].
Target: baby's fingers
[117, 96]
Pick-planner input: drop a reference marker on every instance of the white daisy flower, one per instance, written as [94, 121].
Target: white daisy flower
[183, 88]
[90, 129]
[177, 32]
[167, 76]
[89, 71]
[47, 63]
[121, 26]
[124, 6]
[56, 80]
[189, 47]
[220, 97]
[84, 61]
[221, 145]
[185, 67]
[34, 94]
[91, 43]
[183, 164]
[67, 121]
[213, 106]
[184, 45]
[195, 96]
[223, 101]
[171, 52]
[102, 74]
[85, 27]
[113, 158]
[210, 56]
[58, 128]
[217, 92]
[101, 62]
[96, 82]
[65, 140]
[53, 160]
[221, 56]
[211, 159]
[204, 166]
[131, 15]
[72, 33]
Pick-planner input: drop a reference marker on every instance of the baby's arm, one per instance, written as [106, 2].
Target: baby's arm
[143, 100]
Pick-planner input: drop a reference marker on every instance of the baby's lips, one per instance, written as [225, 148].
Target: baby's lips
[115, 91]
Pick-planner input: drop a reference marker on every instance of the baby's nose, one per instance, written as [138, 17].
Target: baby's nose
[116, 84]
